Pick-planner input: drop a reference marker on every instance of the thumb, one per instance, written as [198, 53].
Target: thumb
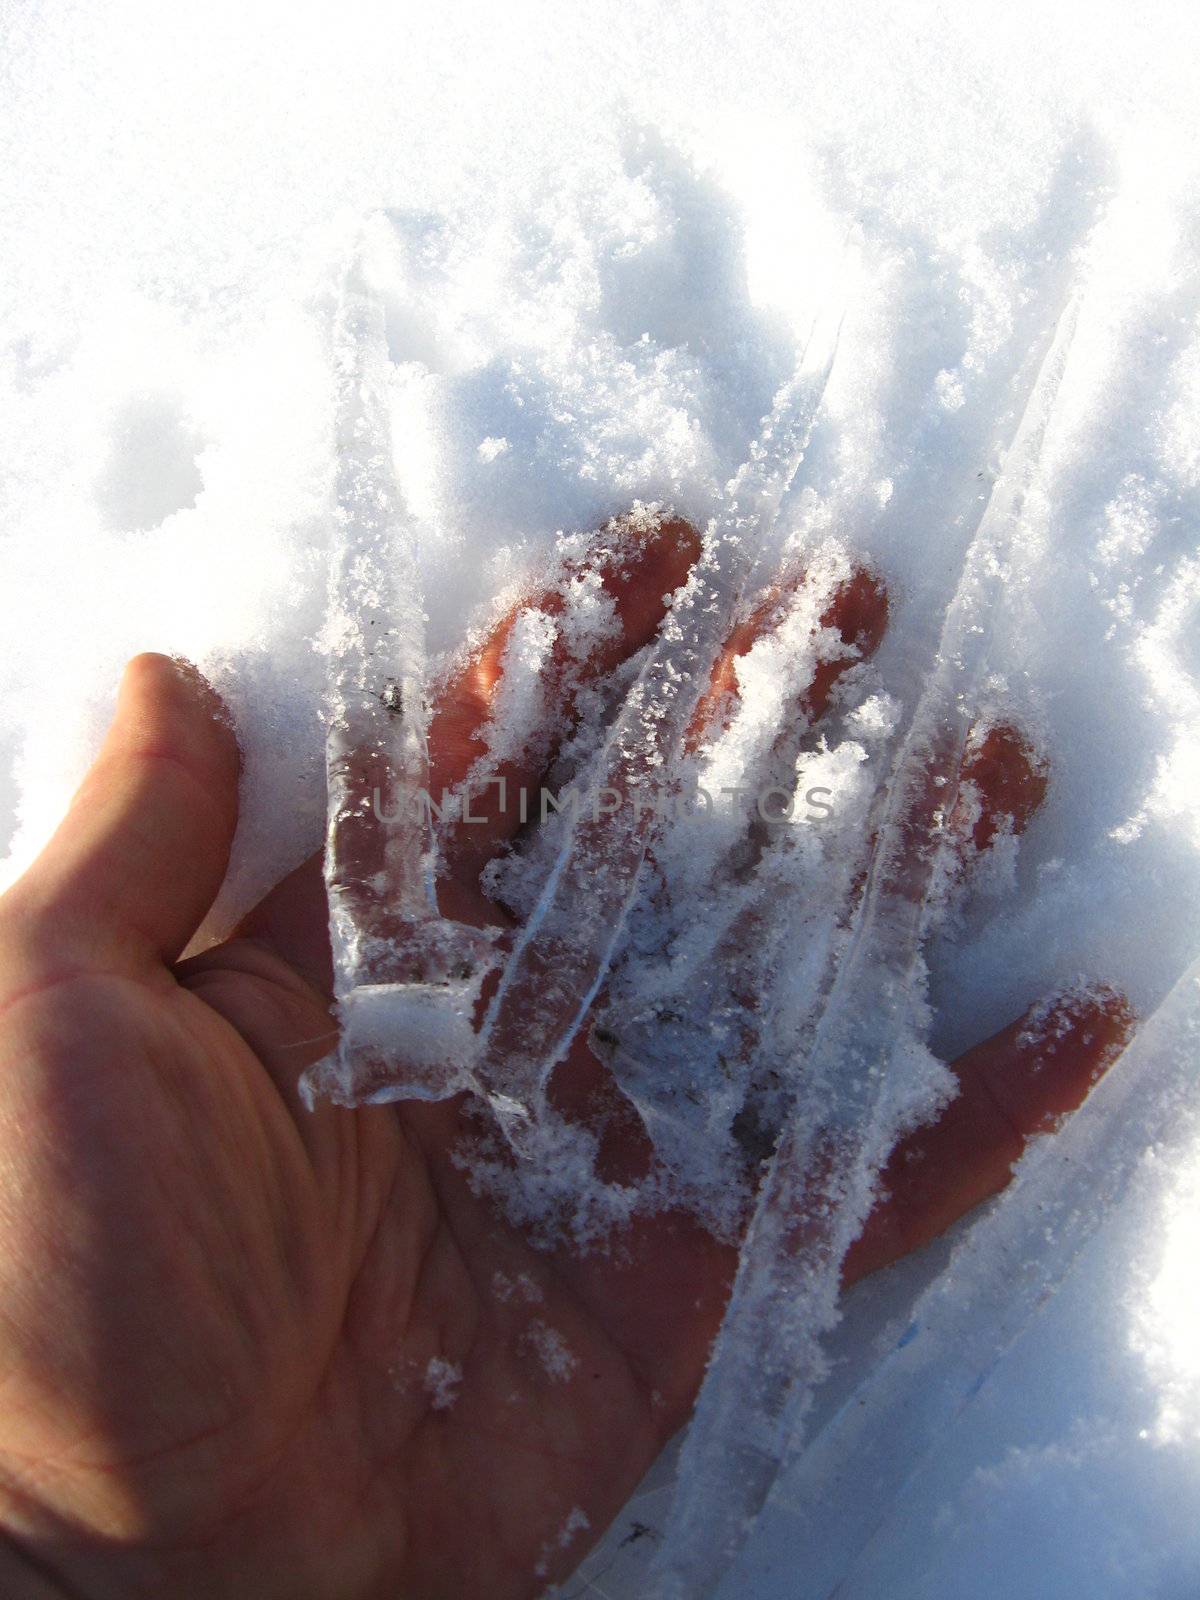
[141, 853]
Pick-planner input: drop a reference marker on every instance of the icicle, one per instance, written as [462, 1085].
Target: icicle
[406, 981]
[814, 1198]
[563, 951]
[853, 1474]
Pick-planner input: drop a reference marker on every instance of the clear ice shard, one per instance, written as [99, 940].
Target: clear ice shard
[852, 1476]
[813, 1200]
[563, 951]
[406, 980]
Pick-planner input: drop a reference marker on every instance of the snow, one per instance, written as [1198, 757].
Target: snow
[442, 1380]
[576, 1522]
[558, 1361]
[592, 299]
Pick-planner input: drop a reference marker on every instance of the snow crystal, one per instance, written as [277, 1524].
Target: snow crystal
[518, 710]
[875, 718]
[575, 1523]
[557, 1359]
[521, 1287]
[442, 1379]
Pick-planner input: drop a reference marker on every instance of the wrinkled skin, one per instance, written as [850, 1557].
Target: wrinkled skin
[218, 1310]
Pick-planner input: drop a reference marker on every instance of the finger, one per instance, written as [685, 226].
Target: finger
[1002, 782]
[141, 853]
[1007, 785]
[1017, 1084]
[631, 568]
[1002, 785]
[858, 613]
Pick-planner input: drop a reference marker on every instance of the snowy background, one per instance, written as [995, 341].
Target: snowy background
[615, 226]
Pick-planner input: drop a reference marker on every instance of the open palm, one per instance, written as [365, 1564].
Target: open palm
[248, 1349]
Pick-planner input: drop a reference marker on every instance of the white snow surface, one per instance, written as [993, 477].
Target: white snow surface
[614, 228]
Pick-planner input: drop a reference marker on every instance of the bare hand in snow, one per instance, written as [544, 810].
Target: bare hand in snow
[251, 1351]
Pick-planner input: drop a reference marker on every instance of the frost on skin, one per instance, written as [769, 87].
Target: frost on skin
[538, 674]
[1072, 1012]
[442, 1379]
[557, 1359]
[522, 1287]
[519, 705]
[576, 1522]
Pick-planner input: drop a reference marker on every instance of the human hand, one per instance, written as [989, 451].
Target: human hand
[249, 1350]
